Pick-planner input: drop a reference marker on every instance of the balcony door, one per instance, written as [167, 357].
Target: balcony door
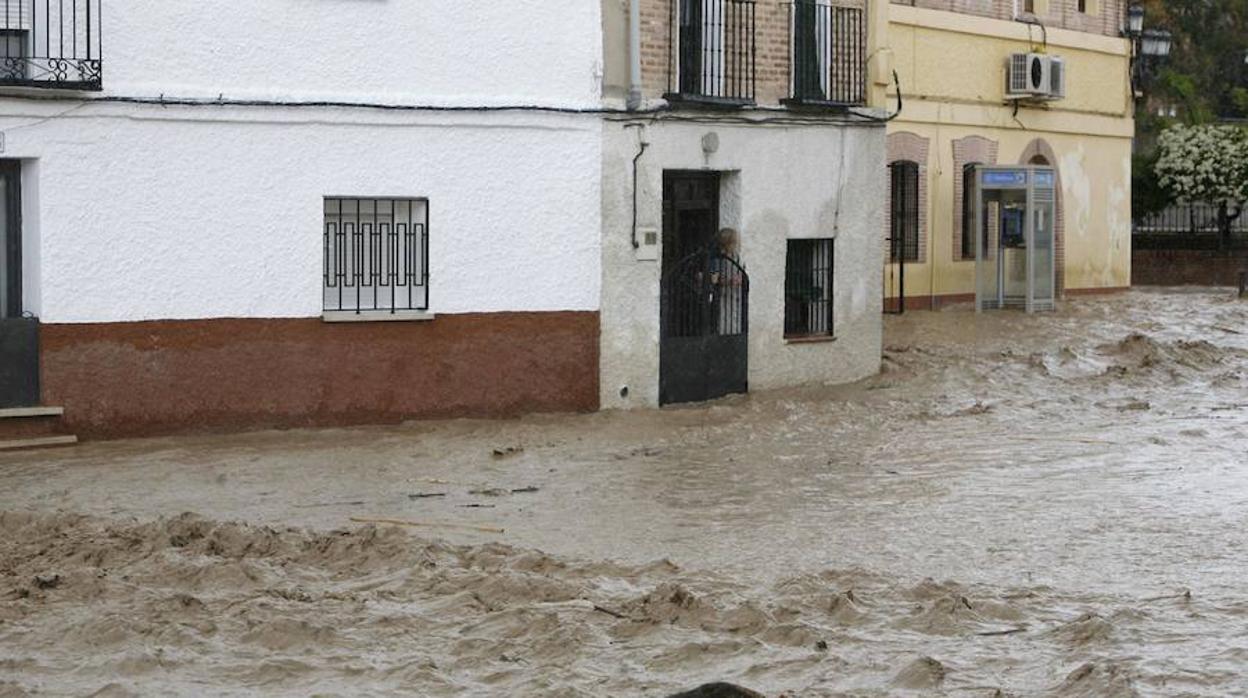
[702, 47]
[812, 47]
[19, 335]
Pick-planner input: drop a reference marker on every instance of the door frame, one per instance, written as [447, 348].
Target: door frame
[14, 302]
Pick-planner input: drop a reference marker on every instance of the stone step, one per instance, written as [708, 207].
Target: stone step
[40, 442]
[20, 423]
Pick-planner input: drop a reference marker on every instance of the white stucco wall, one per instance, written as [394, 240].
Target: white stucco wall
[145, 212]
[785, 182]
[396, 51]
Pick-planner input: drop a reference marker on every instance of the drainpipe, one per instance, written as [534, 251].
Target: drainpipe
[634, 55]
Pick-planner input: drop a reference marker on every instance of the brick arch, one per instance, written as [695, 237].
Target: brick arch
[966, 151]
[1039, 152]
[903, 146]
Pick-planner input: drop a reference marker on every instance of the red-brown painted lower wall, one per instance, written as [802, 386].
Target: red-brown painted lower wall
[1187, 267]
[146, 378]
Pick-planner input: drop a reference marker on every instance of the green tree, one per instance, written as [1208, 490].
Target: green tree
[1209, 165]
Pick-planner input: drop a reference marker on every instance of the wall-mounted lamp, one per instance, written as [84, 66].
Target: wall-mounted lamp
[1150, 47]
[1155, 43]
[1135, 20]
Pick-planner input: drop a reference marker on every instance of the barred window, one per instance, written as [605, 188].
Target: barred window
[808, 308]
[376, 255]
[904, 216]
[968, 210]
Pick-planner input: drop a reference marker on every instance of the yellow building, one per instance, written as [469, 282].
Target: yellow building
[951, 58]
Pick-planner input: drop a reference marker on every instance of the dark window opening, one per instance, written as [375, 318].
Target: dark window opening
[968, 210]
[1083, 6]
[376, 255]
[808, 308]
[904, 213]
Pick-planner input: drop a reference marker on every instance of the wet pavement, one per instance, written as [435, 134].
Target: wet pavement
[1018, 505]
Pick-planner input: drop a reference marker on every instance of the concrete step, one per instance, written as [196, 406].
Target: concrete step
[20, 423]
[40, 442]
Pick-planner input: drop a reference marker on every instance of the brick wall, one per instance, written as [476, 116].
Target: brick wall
[966, 151]
[1105, 16]
[773, 47]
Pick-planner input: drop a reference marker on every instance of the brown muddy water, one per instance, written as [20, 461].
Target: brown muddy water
[1049, 505]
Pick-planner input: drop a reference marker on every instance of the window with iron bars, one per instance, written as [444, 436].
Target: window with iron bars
[51, 44]
[904, 213]
[712, 51]
[808, 277]
[829, 43]
[968, 211]
[376, 255]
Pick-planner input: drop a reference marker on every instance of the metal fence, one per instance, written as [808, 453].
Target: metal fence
[829, 53]
[51, 43]
[1186, 227]
[713, 50]
[376, 255]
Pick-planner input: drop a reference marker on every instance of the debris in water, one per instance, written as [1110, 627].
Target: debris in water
[47, 582]
[507, 451]
[425, 495]
[718, 690]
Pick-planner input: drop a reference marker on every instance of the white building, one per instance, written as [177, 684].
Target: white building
[345, 212]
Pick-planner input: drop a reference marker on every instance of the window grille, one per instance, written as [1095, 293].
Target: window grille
[904, 213]
[376, 255]
[712, 51]
[968, 211]
[829, 59]
[808, 307]
[51, 44]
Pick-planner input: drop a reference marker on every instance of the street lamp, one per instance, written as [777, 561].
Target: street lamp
[1135, 20]
[1155, 43]
[1149, 48]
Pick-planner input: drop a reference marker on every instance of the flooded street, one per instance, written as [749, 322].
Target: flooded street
[1017, 505]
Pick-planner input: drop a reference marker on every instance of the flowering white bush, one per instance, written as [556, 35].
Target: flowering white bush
[1206, 164]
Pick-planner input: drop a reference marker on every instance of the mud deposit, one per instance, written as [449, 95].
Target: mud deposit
[1052, 505]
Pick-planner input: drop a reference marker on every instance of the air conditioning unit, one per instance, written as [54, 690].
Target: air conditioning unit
[1035, 76]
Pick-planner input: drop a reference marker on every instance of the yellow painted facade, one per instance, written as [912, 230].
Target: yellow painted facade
[951, 68]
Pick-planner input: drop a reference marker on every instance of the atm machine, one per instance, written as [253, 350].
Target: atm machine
[1015, 258]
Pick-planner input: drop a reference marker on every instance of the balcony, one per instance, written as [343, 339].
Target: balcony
[712, 52]
[50, 44]
[829, 54]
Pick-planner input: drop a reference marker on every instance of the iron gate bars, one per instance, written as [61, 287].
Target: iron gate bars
[376, 255]
[829, 53]
[706, 294]
[51, 43]
[712, 51]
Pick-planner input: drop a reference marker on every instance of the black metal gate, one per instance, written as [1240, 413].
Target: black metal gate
[19, 336]
[704, 352]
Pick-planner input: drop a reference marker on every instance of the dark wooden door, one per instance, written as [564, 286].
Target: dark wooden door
[19, 336]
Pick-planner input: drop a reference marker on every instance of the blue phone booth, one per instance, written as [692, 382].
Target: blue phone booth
[1015, 255]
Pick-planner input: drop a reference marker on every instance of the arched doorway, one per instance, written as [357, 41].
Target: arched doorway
[1041, 154]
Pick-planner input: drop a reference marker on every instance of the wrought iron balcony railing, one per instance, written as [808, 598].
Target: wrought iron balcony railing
[829, 53]
[50, 43]
[712, 51]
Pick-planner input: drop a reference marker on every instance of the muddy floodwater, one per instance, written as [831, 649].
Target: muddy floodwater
[1017, 505]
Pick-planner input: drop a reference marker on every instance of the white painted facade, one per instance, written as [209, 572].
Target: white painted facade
[192, 187]
[779, 182]
[139, 211]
